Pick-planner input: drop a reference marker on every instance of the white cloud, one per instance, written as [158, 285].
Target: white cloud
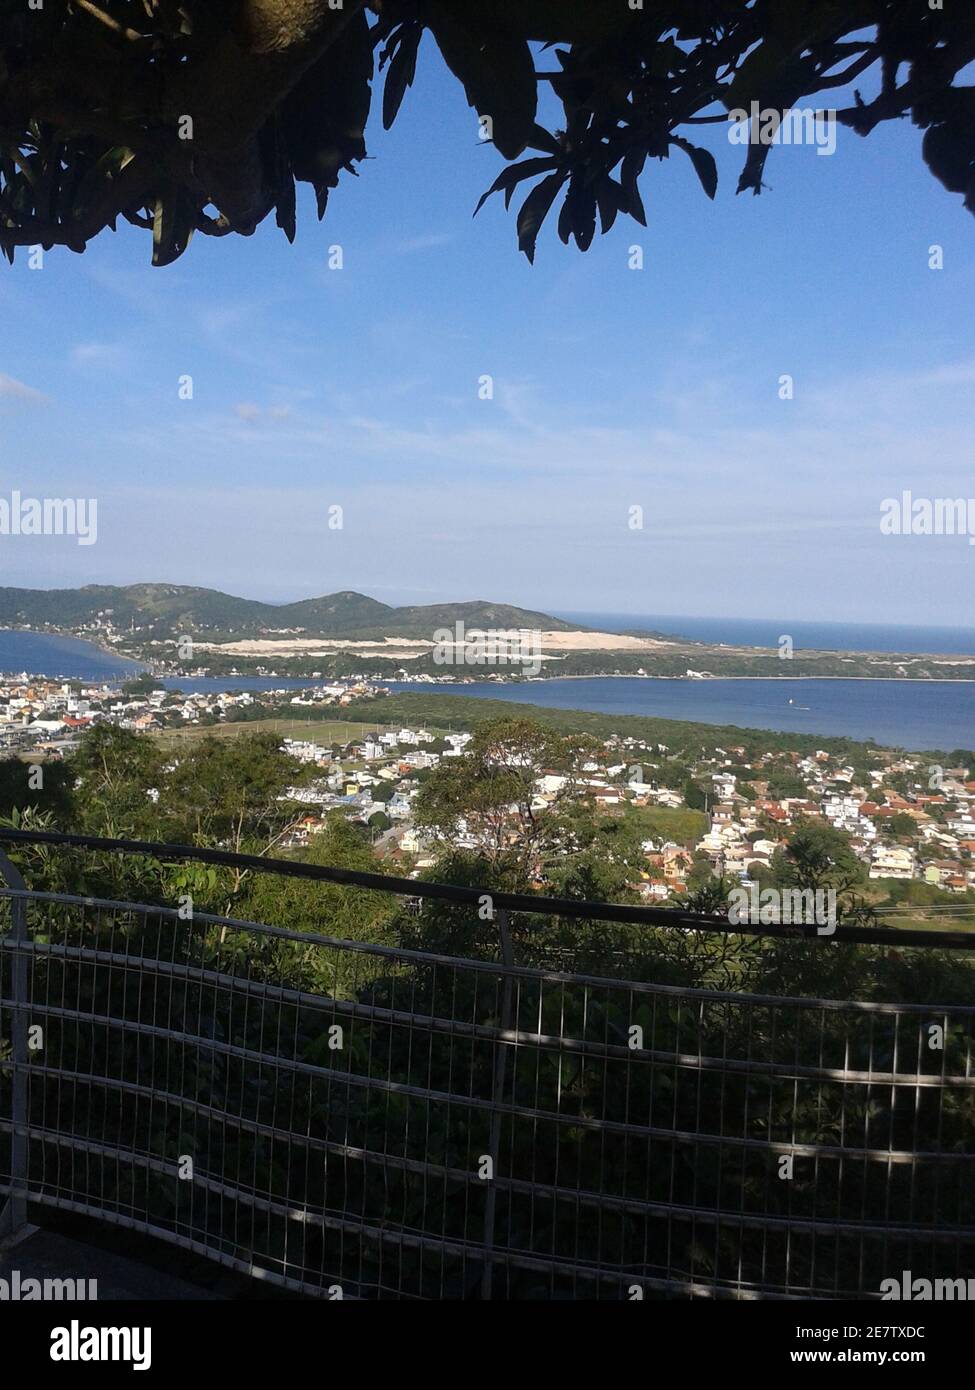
[13, 389]
[527, 498]
[428, 242]
[97, 354]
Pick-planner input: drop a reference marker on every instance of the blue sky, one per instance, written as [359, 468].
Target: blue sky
[613, 388]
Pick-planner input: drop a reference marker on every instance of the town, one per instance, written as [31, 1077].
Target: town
[723, 813]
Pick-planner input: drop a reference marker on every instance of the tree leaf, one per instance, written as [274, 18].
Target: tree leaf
[541, 139]
[534, 210]
[630, 172]
[704, 165]
[285, 214]
[324, 117]
[509, 178]
[173, 225]
[949, 152]
[402, 71]
[582, 201]
[497, 70]
[607, 197]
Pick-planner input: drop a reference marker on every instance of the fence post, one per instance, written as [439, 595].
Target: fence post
[13, 1215]
[497, 1091]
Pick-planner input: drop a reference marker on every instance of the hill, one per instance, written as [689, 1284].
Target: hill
[160, 611]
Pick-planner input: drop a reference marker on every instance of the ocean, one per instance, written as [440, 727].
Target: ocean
[765, 632]
[907, 714]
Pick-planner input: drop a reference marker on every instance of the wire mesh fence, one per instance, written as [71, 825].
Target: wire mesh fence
[357, 1120]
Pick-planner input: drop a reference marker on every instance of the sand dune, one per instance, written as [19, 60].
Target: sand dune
[407, 647]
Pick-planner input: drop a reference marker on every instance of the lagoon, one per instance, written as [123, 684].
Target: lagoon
[907, 714]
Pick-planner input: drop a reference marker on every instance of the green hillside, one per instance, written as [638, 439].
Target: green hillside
[160, 611]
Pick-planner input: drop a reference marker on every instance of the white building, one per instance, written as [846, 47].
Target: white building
[892, 861]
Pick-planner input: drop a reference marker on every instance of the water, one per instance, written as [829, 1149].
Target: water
[40, 654]
[765, 632]
[905, 714]
[202, 685]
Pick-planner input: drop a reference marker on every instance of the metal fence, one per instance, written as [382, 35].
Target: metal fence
[368, 1121]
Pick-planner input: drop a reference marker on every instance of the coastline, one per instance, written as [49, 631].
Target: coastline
[916, 721]
[689, 680]
[139, 665]
[453, 685]
[65, 633]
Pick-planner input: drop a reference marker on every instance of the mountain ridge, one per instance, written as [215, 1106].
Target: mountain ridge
[159, 611]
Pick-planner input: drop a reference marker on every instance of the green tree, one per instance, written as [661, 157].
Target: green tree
[328, 909]
[761, 874]
[599, 859]
[46, 787]
[901, 824]
[782, 784]
[141, 685]
[115, 772]
[491, 790]
[817, 856]
[701, 874]
[229, 792]
[707, 894]
[694, 795]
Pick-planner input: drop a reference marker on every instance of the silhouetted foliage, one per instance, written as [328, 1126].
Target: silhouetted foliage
[200, 115]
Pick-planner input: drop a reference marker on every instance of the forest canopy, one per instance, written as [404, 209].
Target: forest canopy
[185, 116]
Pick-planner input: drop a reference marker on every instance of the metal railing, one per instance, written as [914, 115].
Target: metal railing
[359, 1119]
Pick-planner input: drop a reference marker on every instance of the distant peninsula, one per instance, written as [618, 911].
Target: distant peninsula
[178, 629]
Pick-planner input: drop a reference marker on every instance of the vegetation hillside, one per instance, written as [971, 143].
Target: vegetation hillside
[160, 611]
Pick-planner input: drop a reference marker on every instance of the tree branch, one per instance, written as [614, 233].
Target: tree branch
[131, 35]
[841, 79]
